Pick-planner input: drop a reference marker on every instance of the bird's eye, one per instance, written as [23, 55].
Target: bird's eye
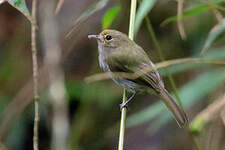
[108, 37]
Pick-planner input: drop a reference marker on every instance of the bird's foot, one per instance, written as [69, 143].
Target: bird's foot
[125, 103]
[122, 105]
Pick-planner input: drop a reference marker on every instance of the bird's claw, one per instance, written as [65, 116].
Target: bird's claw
[122, 105]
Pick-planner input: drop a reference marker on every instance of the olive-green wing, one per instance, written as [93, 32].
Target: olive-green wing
[136, 62]
[129, 63]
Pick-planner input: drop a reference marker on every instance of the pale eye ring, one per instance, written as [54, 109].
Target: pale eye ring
[108, 37]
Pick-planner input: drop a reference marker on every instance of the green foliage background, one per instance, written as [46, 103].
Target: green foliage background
[94, 108]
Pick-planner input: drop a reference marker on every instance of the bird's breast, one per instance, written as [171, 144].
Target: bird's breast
[102, 63]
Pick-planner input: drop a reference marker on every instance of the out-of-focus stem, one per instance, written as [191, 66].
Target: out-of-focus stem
[179, 20]
[57, 92]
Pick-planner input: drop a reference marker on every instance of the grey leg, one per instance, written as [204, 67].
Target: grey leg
[125, 103]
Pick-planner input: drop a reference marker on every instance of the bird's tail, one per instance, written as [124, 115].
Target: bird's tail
[178, 113]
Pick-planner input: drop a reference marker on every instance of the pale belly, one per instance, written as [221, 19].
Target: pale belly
[128, 85]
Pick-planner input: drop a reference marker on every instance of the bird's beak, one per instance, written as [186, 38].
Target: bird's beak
[94, 36]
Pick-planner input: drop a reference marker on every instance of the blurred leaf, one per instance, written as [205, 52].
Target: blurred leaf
[21, 6]
[190, 93]
[3, 101]
[193, 11]
[203, 85]
[19, 130]
[6, 70]
[197, 126]
[144, 115]
[86, 14]
[143, 10]
[157, 124]
[218, 53]
[109, 16]
[93, 8]
[99, 92]
[201, 120]
[213, 35]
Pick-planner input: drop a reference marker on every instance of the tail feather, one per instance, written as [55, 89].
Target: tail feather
[179, 115]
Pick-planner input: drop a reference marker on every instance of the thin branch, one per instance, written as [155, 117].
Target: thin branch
[180, 21]
[164, 64]
[35, 74]
[59, 6]
[124, 109]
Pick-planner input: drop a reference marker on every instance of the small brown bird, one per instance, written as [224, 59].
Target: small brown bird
[117, 53]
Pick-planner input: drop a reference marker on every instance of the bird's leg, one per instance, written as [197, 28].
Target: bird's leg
[125, 103]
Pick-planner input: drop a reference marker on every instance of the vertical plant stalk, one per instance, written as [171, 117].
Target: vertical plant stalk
[161, 57]
[196, 143]
[35, 74]
[57, 90]
[179, 22]
[59, 6]
[132, 18]
[124, 110]
[122, 123]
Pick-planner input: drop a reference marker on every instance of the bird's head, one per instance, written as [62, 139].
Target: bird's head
[111, 39]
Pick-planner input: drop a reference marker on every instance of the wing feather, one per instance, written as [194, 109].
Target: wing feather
[130, 63]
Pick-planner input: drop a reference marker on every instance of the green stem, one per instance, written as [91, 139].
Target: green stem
[35, 74]
[122, 123]
[196, 143]
[132, 18]
[161, 56]
[124, 110]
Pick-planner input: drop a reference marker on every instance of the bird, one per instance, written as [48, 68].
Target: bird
[118, 53]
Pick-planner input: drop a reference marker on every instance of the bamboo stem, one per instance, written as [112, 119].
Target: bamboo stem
[35, 75]
[122, 123]
[124, 110]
